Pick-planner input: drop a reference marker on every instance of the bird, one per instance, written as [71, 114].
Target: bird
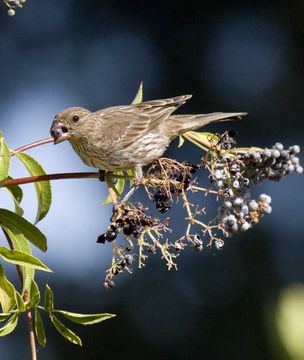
[128, 136]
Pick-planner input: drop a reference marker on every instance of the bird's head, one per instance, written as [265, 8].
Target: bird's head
[67, 122]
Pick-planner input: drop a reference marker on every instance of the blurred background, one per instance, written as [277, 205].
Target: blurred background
[244, 302]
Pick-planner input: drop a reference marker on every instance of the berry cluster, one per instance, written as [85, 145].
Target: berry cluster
[163, 200]
[194, 239]
[129, 219]
[13, 4]
[271, 163]
[240, 214]
[132, 221]
[232, 174]
[123, 263]
[178, 179]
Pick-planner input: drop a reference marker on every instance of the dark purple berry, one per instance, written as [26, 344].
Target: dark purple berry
[111, 234]
[129, 259]
[198, 247]
[101, 239]
[128, 230]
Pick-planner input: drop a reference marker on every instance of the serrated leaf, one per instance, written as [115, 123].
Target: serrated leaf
[10, 220]
[139, 95]
[43, 188]
[119, 186]
[34, 295]
[65, 332]
[20, 258]
[10, 325]
[39, 329]
[21, 243]
[19, 302]
[7, 292]
[5, 159]
[17, 194]
[84, 319]
[48, 299]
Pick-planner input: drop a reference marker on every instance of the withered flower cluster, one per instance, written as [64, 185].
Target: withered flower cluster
[12, 5]
[232, 172]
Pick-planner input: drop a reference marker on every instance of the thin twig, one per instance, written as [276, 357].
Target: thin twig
[28, 312]
[60, 176]
[112, 190]
[34, 144]
[31, 179]
[29, 319]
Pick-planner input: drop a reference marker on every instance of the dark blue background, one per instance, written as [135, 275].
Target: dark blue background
[232, 56]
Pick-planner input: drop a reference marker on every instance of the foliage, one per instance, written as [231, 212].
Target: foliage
[133, 231]
[20, 233]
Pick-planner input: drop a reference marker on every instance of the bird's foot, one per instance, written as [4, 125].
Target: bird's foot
[102, 175]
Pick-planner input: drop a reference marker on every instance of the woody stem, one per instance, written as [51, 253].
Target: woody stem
[60, 176]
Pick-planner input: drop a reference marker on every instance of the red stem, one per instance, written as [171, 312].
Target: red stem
[28, 312]
[34, 144]
[31, 179]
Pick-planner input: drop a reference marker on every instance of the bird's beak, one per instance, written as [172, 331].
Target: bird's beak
[59, 132]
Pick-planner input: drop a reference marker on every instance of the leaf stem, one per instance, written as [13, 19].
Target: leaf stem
[34, 144]
[28, 313]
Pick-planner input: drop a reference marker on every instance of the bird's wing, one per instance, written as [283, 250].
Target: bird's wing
[126, 123]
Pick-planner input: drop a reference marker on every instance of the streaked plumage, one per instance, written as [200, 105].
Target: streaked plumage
[121, 137]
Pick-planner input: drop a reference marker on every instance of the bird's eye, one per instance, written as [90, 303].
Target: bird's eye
[75, 118]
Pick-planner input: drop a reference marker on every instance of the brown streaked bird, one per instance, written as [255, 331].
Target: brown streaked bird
[122, 137]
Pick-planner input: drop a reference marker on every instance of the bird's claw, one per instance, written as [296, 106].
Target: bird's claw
[102, 175]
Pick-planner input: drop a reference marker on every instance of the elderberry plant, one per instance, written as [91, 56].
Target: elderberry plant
[231, 174]
[137, 230]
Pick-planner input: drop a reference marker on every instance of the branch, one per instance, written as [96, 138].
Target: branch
[32, 179]
[60, 176]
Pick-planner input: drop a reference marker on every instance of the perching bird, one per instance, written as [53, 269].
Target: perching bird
[122, 137]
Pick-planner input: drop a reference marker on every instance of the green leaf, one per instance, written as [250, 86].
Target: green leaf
[10, 325]
[85, 319]
[131, 172]
[181, 141]
[39, 328]
[119, 186]
[4, 316]
[204, 140]
[5, 159]
[17, 195]
[20, 258]
[43, 188]
[34, 295]
[139, 95]
[21, 243]
[48, 299]
[65, 332]
[7, 292]
[19, 302]
[10, 220]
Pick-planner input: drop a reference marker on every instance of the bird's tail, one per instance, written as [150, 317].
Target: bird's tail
[179, 124]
